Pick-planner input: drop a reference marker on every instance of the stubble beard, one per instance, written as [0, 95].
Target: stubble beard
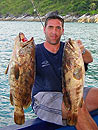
[51, 42]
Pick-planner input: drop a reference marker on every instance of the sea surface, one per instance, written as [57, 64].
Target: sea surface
[87, 32]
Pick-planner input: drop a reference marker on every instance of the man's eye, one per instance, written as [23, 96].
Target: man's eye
[50, 27]
[59, 27]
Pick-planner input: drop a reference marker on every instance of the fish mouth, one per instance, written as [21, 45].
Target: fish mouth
[28, 42]
[24, 40]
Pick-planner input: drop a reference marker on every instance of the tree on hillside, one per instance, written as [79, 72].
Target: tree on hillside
[92, 6]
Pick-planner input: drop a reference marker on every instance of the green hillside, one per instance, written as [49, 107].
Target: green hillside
[18, 7]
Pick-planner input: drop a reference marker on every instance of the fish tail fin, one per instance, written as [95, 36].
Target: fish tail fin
[19, 117]
[72, 119]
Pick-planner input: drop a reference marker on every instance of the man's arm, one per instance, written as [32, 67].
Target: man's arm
[85, 121]
[87, 57]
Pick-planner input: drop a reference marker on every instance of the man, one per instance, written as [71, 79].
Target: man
[47, 94]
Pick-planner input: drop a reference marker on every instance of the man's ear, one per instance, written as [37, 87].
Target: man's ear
[63, 32]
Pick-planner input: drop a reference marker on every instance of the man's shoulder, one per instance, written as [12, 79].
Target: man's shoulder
[38, 48]
[39, 45]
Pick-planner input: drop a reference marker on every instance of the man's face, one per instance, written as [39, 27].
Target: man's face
[53, 31]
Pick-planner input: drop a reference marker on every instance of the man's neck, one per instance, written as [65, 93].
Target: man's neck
[52, 48]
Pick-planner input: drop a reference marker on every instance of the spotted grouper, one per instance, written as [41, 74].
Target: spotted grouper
[21, 71]
[73, 80]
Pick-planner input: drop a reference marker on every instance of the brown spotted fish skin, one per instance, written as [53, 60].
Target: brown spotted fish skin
[73, 80]
[21, 77]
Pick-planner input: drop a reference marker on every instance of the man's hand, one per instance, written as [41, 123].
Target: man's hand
[81, 46]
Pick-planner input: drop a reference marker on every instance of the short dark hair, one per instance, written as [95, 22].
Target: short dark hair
[54, 15]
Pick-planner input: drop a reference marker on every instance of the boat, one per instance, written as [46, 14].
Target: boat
[38, 124]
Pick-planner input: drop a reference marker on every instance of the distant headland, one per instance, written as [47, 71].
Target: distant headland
[86, 18]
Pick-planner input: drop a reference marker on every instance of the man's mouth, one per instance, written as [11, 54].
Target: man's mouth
[54, 36]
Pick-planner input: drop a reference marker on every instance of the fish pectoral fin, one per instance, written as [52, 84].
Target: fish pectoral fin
[27, 104]
[81, 103]
[19, 117]
[67, 101]
[16, 71]
[11, 98]
[6, 71]
[72, 118]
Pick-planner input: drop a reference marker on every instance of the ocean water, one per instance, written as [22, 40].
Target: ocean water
[87, 32]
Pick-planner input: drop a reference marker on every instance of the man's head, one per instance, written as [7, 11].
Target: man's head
[54, 28]
[54, 15]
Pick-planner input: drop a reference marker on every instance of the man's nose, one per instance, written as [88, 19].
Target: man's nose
[54, 30]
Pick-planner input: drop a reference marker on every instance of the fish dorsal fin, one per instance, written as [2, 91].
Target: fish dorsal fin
[6, 71]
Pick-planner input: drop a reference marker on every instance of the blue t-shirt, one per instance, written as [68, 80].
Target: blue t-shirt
[48, 70]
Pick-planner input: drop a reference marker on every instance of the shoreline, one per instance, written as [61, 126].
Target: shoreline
[68, 18]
